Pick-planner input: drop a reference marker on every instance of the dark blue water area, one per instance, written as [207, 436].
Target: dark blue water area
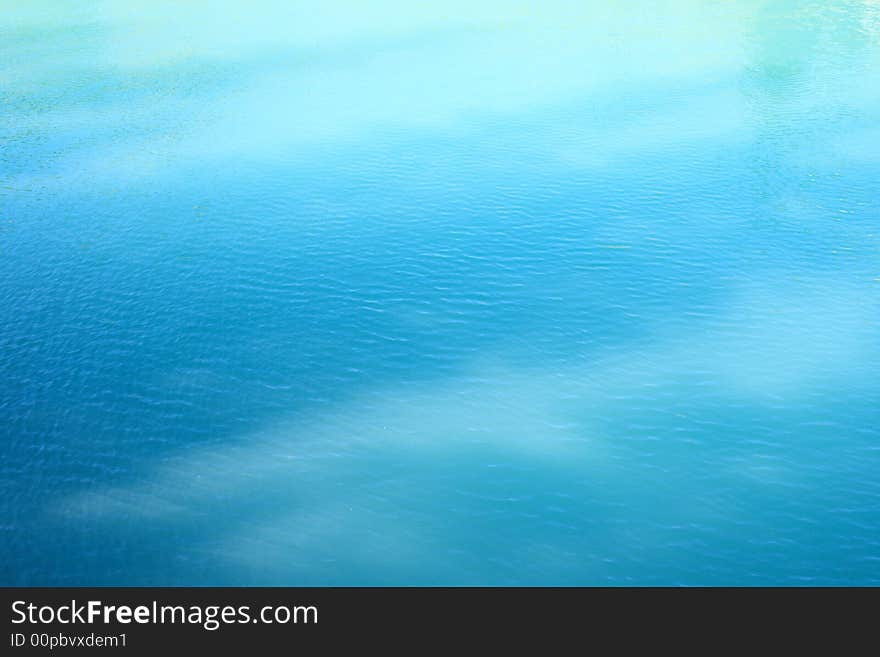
[631, 337]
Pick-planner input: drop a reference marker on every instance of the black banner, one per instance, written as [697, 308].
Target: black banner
[172, 620]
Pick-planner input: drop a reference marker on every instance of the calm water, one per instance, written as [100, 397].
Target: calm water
[464, 293]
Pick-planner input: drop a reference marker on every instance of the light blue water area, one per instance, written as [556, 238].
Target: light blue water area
[347, 293]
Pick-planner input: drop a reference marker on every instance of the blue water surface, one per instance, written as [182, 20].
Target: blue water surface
[348, 293]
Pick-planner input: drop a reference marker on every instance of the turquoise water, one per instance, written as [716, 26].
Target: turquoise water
[439, 293]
